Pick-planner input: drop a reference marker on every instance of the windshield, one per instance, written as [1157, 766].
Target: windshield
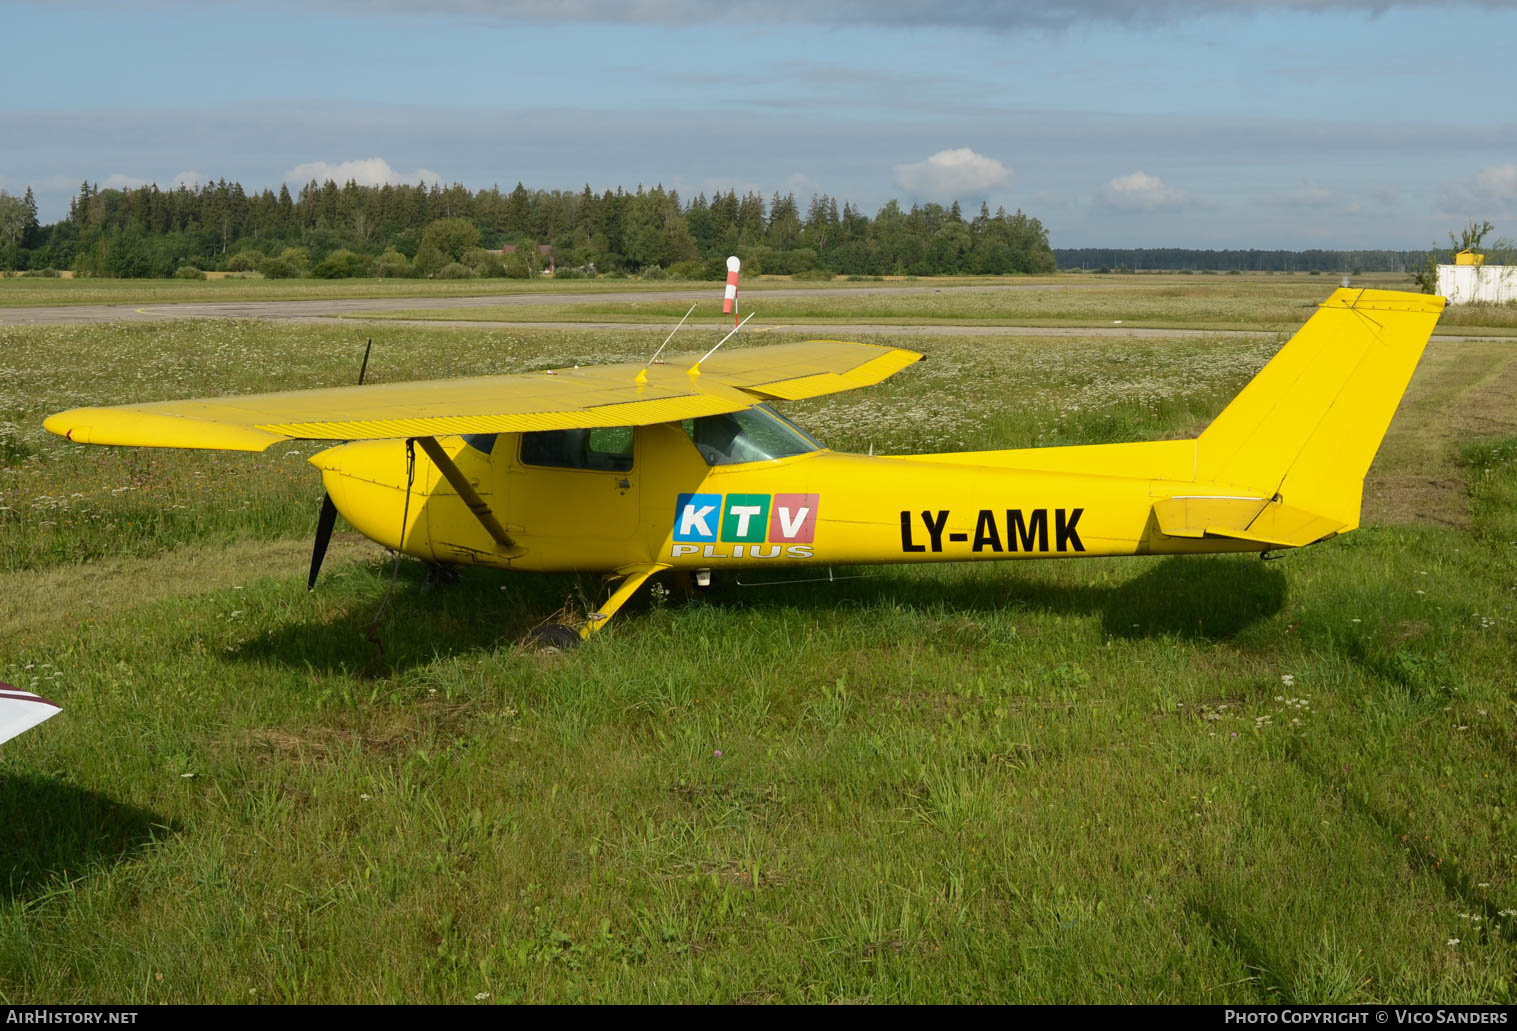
[754, 434]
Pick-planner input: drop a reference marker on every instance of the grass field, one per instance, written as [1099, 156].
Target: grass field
[23, 293]
[1208, 779]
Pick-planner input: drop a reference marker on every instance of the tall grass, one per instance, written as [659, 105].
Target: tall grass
[1204, 779]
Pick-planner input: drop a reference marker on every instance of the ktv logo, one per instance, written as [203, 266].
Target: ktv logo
[745, 525]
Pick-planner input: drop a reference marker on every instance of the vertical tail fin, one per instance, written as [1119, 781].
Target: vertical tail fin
[1307, 427]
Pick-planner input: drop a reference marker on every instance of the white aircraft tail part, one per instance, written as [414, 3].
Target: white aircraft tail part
[20, 711]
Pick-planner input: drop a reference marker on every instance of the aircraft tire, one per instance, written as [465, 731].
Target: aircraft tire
[554, 637]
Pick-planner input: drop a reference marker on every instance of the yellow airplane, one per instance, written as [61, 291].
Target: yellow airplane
[626, 470]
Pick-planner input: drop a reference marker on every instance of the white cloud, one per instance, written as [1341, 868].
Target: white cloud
[1139, 192]
[958, 174]
[121, 181]
[1490, 191]
[364, 172]
[118, 181]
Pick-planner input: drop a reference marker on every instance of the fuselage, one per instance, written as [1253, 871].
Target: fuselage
[665, 503]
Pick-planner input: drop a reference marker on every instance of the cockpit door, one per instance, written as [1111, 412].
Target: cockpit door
[574, 493]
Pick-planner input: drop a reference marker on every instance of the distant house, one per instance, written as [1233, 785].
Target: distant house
[544, 253]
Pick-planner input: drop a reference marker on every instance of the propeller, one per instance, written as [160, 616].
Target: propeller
[328, 518]
[323, 537]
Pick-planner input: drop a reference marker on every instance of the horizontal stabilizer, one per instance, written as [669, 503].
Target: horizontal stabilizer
[20, 711]
[1247, 519]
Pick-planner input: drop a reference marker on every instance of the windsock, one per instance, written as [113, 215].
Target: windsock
[729, 299]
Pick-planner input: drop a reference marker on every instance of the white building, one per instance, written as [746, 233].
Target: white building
[1468, 281]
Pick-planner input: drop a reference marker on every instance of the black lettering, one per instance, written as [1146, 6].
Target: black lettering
[985, 533]
[1064, 532]
[935, 528]
[1035, 528]
[958, 538]
[906, 544]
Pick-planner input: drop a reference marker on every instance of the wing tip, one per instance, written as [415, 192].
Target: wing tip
[63, 424]
[124, 426]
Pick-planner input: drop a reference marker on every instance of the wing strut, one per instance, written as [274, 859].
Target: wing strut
[466, 491]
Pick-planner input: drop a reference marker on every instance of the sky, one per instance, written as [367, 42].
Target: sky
[1229, 123]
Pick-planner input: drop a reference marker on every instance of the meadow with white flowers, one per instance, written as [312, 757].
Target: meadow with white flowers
[1174, 779]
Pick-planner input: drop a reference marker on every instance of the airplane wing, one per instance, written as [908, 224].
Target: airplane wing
[604, 395]
[21, 711]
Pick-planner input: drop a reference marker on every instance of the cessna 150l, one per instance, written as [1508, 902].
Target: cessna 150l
[627, 470]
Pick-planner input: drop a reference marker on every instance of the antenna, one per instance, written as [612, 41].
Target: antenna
[642, 377]
[695, 370]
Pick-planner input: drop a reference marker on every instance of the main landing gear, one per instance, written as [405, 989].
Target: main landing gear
[558, 637]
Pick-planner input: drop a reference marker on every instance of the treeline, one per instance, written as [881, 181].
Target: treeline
[430, 230]
[1142, 259]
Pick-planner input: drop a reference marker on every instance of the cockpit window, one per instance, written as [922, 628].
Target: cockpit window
[754, 434]
[607, 448]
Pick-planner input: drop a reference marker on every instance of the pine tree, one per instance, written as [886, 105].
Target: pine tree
[518, 211]
[31, 229]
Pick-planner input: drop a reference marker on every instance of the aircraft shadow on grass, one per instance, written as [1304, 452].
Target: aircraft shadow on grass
[55, 832]
[1188, 597]
[421, 623]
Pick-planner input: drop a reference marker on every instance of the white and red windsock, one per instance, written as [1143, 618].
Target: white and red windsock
[729, 299]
